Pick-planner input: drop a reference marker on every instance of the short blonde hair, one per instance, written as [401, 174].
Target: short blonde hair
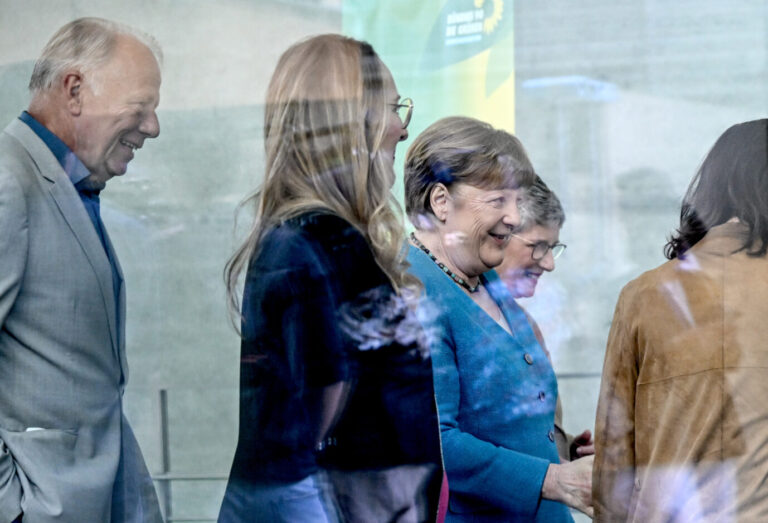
[83, 44]
[459, 149]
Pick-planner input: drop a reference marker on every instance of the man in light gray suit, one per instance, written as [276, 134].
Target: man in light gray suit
[67, 453]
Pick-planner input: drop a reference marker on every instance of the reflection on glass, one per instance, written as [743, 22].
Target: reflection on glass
[495, 387]
[682, 422]
[337, 416]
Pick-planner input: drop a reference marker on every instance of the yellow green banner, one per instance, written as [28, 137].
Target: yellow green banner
[453, 57]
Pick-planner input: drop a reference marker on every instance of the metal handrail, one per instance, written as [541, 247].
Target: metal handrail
[165, 476]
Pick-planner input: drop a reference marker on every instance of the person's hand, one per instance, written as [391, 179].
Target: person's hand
[582, 445]
[571, 484]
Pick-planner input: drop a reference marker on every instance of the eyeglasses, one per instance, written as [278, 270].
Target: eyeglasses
[540, 249]
[404, 110]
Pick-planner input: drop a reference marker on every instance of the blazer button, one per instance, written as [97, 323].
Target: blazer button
[542, 395]
[528, 359]
[551, 435]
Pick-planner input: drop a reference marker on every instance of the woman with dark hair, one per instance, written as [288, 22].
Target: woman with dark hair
[333, 371]
[682, 420]
[729, 185]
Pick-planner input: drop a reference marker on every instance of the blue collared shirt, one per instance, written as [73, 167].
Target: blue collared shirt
[76, 171]
[71, 164]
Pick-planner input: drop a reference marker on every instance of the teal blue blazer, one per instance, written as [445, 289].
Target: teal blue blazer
[496, 395]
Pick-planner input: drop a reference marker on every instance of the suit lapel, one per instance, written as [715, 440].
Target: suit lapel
[71, 207]
[120, 324]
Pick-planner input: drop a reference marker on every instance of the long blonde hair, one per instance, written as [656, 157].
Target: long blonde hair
[323, 130]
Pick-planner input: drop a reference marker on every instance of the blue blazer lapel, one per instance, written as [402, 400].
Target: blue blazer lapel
[522, 331]
[71, 207]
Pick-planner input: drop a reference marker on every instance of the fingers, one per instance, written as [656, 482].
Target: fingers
[570, 483]
[583, 445]
[585, 438]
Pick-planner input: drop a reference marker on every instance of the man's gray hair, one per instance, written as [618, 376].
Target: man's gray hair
[83, 44]
[538, 205]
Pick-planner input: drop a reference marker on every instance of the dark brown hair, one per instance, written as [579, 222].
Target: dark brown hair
[731, 182]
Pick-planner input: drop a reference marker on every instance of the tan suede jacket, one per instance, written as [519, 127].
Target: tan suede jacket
[682, 420]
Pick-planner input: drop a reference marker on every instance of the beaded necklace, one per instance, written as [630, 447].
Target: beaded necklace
[446, 270]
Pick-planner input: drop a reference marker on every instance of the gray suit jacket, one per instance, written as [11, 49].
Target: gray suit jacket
[67, 452]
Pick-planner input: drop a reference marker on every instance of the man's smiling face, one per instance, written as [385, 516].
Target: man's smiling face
[118, 100]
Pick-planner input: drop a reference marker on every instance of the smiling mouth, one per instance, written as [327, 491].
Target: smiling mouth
[501, 238]
[130, 145]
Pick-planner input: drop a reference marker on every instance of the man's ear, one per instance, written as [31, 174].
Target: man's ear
[439, 200]
[71, 85]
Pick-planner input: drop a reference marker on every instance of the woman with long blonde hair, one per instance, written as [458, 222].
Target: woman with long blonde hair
[334, 375]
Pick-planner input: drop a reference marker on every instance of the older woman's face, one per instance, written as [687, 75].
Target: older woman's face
[477, 227]
[519, 270]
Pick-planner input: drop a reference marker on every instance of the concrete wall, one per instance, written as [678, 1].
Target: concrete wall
[618, 103]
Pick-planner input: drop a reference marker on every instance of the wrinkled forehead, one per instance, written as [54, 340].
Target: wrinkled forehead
[131, 56]
[131, 67]
[538, 232]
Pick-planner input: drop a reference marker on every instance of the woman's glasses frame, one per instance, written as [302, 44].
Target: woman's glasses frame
[404, 110]
[540, 249]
